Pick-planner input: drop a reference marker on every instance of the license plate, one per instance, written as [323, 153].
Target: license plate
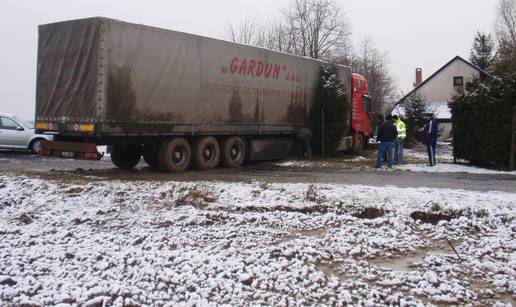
[68, 154]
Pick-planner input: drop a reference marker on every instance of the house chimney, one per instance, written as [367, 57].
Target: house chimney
[419, 77]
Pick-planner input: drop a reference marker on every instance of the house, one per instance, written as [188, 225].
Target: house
[440, 87]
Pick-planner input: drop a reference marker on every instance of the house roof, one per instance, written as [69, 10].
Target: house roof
[483, 72]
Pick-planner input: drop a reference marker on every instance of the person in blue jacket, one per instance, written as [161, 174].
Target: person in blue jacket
[430, 137]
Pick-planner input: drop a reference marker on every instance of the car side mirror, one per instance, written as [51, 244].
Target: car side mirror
[19, 128]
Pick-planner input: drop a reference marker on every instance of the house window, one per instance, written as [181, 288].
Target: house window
[458, 81]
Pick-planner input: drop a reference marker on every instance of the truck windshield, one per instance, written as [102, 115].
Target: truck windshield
[366, 101]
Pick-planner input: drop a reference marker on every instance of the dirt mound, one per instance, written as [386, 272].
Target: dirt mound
[369, 213]
[433, 218]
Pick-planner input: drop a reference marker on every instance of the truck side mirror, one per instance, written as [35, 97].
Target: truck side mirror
[19, 128]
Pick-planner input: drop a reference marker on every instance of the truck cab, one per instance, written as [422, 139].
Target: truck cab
[360, 110]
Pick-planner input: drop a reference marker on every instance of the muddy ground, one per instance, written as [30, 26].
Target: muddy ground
[333, 171]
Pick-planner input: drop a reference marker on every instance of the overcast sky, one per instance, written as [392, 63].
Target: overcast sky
[415, 33]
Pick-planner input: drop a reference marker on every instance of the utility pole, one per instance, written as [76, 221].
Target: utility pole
[513, 140]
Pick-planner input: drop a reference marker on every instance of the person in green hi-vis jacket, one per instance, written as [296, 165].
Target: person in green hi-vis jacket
[398, 144]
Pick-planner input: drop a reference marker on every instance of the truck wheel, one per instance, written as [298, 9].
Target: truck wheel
[125, 157]
[206, 153]
[174, 155]
[150, 156]
[358, 145]
[233, 151]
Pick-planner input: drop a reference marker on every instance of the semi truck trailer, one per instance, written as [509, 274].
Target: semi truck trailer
[177, 99]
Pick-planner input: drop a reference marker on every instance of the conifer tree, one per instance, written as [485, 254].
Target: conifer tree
[481, 54]
[330, 99]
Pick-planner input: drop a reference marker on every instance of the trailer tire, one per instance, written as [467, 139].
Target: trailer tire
[233, 151]
[206, 153]
[174, 155]
[125, 157]
[150, 156]
[358, 145]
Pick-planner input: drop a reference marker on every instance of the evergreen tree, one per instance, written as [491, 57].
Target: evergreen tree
[414, 108]
[330, 97]
[482, 120]
[481, 54]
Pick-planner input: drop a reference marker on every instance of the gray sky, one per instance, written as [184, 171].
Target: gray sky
[415, 33]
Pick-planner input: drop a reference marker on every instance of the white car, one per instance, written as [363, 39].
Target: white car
[18, 134]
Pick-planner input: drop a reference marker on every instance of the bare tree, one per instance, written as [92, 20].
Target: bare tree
[315, 28]
[245, 32]
[506, 21]
[373, 65]
[505, 29]
[319, 27]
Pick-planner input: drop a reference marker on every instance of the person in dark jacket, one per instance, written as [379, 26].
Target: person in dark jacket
[379, 121]
[387, 134]
[430, 137]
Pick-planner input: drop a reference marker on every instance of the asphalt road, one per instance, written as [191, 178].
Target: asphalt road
[64, 169]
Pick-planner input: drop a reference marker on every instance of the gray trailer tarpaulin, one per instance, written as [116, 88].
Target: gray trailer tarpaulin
[133, 78]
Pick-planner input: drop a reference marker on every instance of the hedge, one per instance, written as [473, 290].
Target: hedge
[330, 96]
[482, 120]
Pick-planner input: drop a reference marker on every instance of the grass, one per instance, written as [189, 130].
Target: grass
[436, 207]
[265, 185]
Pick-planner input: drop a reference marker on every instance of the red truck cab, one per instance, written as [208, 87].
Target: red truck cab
[361, 108]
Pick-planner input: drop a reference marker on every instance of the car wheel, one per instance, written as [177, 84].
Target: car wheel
[35, 145]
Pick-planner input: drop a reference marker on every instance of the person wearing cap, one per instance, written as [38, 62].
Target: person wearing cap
[387, 134]
[398, 144]
[430, 137]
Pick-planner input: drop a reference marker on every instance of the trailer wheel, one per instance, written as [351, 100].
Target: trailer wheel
[150, 156]
[174, 155]
[206, 153]
[358, 145]
[233, 151]
[125, 157]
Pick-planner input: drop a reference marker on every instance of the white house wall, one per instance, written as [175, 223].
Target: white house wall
[440, 87]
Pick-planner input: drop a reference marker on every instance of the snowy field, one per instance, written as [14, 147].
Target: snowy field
[135, 243]
[451, 168]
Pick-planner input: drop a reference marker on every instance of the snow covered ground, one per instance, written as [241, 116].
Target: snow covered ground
[321, 164]
[443, 153]
[138, 243]
[451, 168]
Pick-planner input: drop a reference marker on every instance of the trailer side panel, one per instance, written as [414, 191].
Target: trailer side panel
[67, 72]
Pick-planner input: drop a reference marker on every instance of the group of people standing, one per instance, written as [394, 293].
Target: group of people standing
[392, 133]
